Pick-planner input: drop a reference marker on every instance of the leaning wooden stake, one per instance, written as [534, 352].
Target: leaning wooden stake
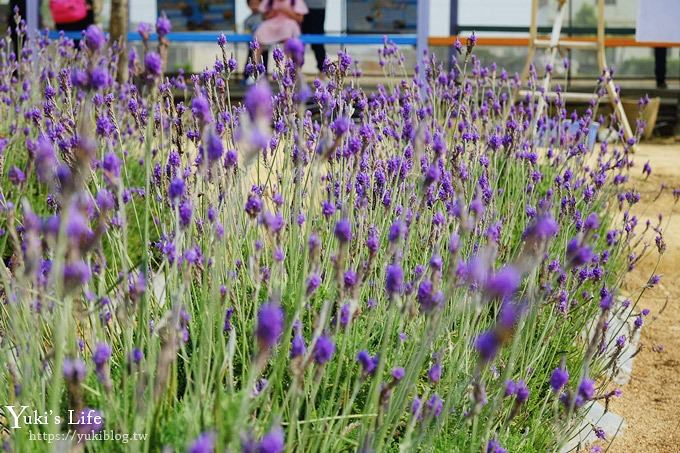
[118, 27]
[553, 45]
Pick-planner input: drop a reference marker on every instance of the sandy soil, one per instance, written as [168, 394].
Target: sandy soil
[651, 401]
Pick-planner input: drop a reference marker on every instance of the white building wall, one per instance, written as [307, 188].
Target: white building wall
[494, 12]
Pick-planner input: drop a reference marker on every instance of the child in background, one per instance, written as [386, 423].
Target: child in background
[255, 19]
[282, 19]
[250, 25]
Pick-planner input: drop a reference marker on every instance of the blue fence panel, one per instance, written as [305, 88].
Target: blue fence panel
[197, 37]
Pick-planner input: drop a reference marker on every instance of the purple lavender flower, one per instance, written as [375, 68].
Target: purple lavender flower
[427, 298]
[503, 283]
[436, 263]
[204, 443]
[493, 446]
[297, 346]
[101, 354]
[327, 208]
[372, 241]
[76, 273]
[279, 254]
[606, 301]
[510, 388]
[153, 63]
[253, 205]
[620, 341]
[200, 107]
[541, 229]
[586, 388]
[230, 159]
[343, 230]
[313, 282]
[45, 159]
[185, 213]
[90, 421]
[432, 174]
[454, 243]
[653, 280]
[435, 405]
[163, 25]
[350, 279]
[74, 370]
[324, 348]
[368, 363]
[477, 207]
[558, 379]
[100, 78]
[77, 227]
[272, 442]
[111, 163]
[416, 405]
[94, 38]
[592, 222]
[487, 345]
[273, 222]
[394, 279]
[398, 373]
[16, 176]
[345, 315]
[145, 29]
[295, 49]
[105, 200]
[176, 188]
[396, 231]
[340, 126]
[521, 391]
[258, 101]
[214, 146]
[435, 373]
[578, 254]
[136, 355]
[269, 325]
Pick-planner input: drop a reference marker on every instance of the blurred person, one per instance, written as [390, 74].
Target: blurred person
[313, 24]
[660, 54]
[20, 7]
[72, 15]
[282, 19]
[255, 19]
[250, 25]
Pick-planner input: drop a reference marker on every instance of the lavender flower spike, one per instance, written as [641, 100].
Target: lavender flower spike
[269, 325]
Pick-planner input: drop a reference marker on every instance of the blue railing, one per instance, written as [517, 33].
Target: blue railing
[197, 37]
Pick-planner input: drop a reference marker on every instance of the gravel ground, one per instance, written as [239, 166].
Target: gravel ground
[651, 401]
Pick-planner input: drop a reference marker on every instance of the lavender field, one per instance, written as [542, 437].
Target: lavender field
[430, 266]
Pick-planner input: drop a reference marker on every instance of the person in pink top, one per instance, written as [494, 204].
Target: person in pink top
[282, 19]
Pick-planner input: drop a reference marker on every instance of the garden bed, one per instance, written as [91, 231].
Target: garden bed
[413, 268]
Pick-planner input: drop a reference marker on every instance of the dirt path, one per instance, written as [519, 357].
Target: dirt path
[651, 401]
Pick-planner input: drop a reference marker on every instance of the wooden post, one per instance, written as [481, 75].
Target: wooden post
[533, 34]
[32, 16]
[453, 26]
[423, 31]
[553, 46]
[118, 27]
[614, 99]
